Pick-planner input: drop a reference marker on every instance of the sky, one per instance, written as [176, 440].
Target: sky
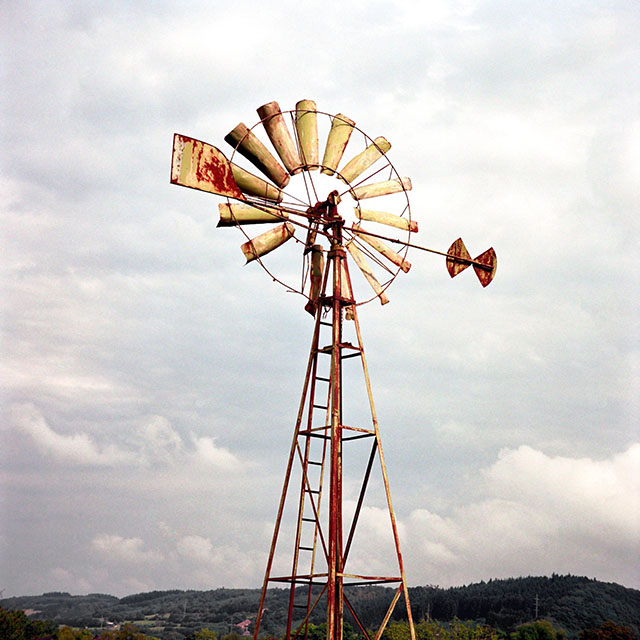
[150, 381]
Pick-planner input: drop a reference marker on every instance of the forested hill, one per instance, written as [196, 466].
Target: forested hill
[570, 602]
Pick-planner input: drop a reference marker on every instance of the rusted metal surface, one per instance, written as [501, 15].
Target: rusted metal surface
[458, 259]
[365, 159]
[307, 129]
[316, 273]
[238, 214]
[201, 166]
[486, 273]
[383, 249]
[255, 186]
[248, 144]
[381, 188]
[363, 265]
[390, 219]
[267, 241]
[339, 134]
[281, 139]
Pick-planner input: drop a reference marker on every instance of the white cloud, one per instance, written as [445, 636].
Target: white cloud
[196, 548]
[209, 453]
[78, 448]
[127, 550]
[153, 442]
[539, 514]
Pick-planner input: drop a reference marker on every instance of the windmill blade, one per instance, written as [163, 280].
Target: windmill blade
[381, 188]
[390, 219]
[240, 214]
[488, 258]
[278, 133]
[317, 270]
[382, 248]
[249, 145]
[363, 265]
[267, 241]
[339, 134]
[360, 163]
[202, 166]
[307, 128]
[255, 186]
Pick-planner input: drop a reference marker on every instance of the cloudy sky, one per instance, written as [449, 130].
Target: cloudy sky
[150, 382]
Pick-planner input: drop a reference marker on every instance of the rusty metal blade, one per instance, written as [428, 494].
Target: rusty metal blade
[267, 241]
[249, 145]
[360, 163]
[281, 139]
[255, 186]
[341, 130]
[489, 259]
[307, 128]
[458, 258]
[232, 214]
[390, 219]
[382, 248]
[317, 270]
[381, 188]
[363, 265]
[202, 166]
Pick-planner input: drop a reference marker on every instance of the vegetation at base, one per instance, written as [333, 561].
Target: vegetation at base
[567, 607]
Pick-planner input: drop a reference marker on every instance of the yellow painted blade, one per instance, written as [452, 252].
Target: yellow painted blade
[390, 219]
[254, 186]
[267, 241]
[240, 214]
[341, 130]
[360, 163]
[307, 128]
[382, 248]
[249, 145]
[281, 139]
[202, 166]
[363, 265]
[381, 188]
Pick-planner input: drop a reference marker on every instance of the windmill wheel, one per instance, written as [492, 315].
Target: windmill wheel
[300, 194]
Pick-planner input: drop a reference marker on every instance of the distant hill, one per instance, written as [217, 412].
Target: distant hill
[570, 602]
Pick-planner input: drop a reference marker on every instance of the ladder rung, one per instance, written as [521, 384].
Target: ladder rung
[311, 490]
[351, 355]
[305, 548]
[326, 324]
[299, 606]
[319, 406]
[308, 519]
[318, 464]
[323, 379]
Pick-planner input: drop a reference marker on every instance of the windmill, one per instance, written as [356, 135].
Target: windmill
[342, 213]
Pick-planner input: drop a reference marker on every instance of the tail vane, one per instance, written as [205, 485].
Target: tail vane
[458, 259]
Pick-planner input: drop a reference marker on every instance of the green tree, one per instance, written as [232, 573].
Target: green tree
[607, 631]
[205, 634]
[68, 633]
[538, 630]
[128, 632]
[15, 625]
